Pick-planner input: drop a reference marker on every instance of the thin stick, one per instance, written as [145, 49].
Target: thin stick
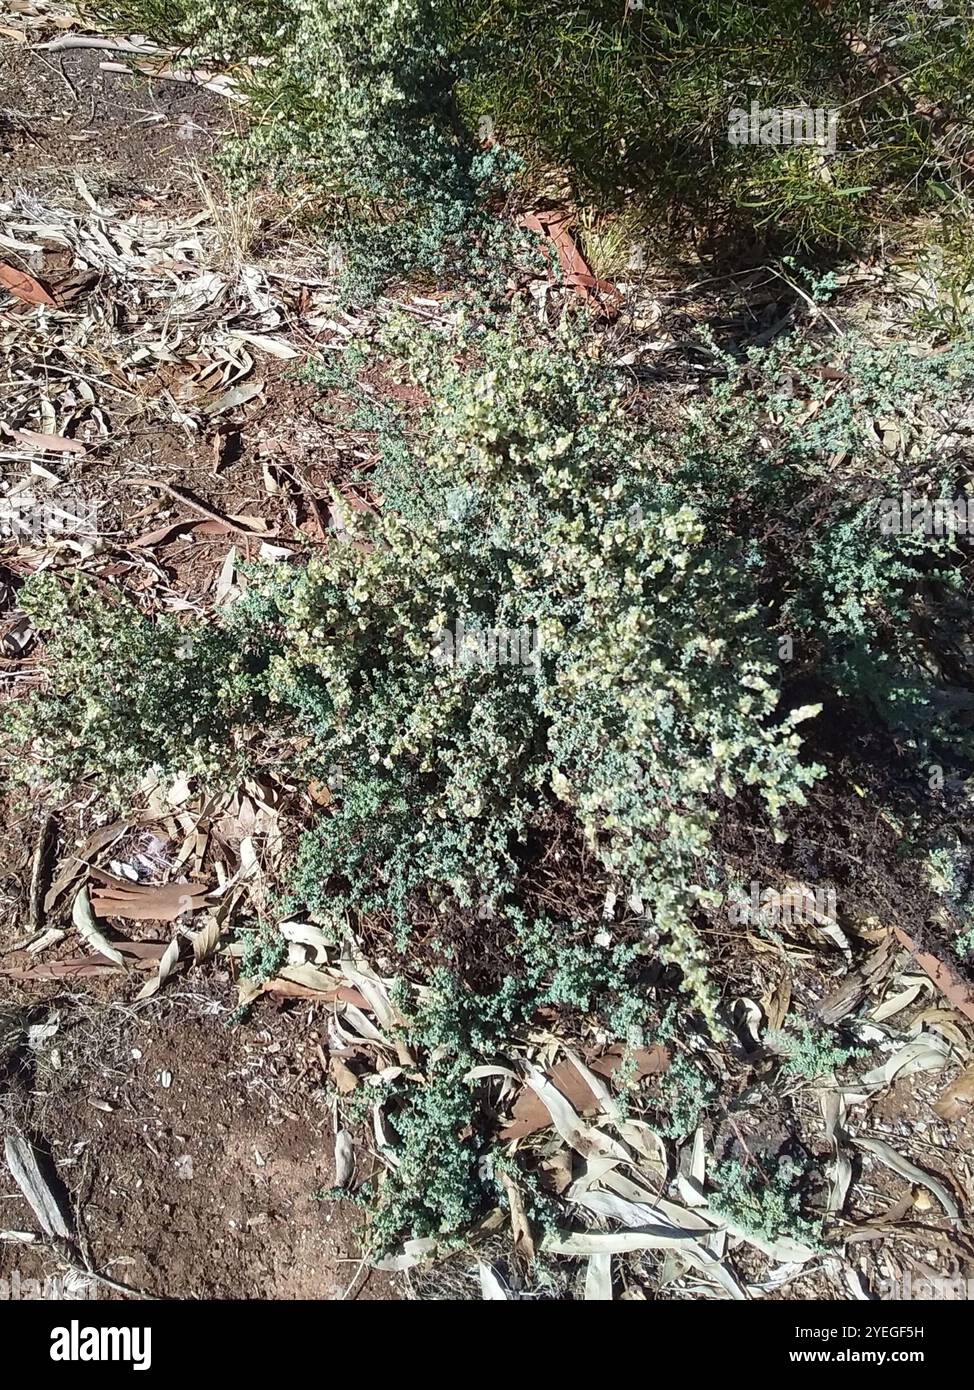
[62, 45]
[199, 78]
[37, 876]
[211, 514]
[68, 1254]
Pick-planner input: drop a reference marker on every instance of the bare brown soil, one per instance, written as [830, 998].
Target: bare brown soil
[60, 113]
[195, 1154]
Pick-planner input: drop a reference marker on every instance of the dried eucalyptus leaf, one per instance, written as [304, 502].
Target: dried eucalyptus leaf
[84, 919]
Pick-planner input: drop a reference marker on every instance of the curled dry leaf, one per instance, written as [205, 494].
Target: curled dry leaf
[146, 902]
[374, 989]
[274, 347]
[945, 1022]
[166, 963]
[308, 982]
[50, 443]
[307, 934]
[342, 1076]
[833, 1106]
[958, 1099]
[780, 1002]
[165, 533]
[520, 1226]
[238, 395]
[575, 269]
[888, 1156]
[206, 940]
[141, 954]
[930, 1052]
[84, 920]
[944, 976]
[530, 1114]
[586, 1140]
[896, 1003]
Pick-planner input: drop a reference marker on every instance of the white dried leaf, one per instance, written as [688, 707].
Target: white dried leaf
[898, 1002]
[275, 347]
[344, 1158]
[931, 1052]
[44, 1202]
[598, 1279]
[887, 1155]
[306, 934]
[414, 1252]
[84, 919]
[40, 1033]
[583, 1138]
[491, 1286]
[168, 959]
[625, 1242]
[224, 589]
[367, 982]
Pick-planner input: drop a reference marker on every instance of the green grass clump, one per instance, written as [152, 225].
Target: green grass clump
[378, 112]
